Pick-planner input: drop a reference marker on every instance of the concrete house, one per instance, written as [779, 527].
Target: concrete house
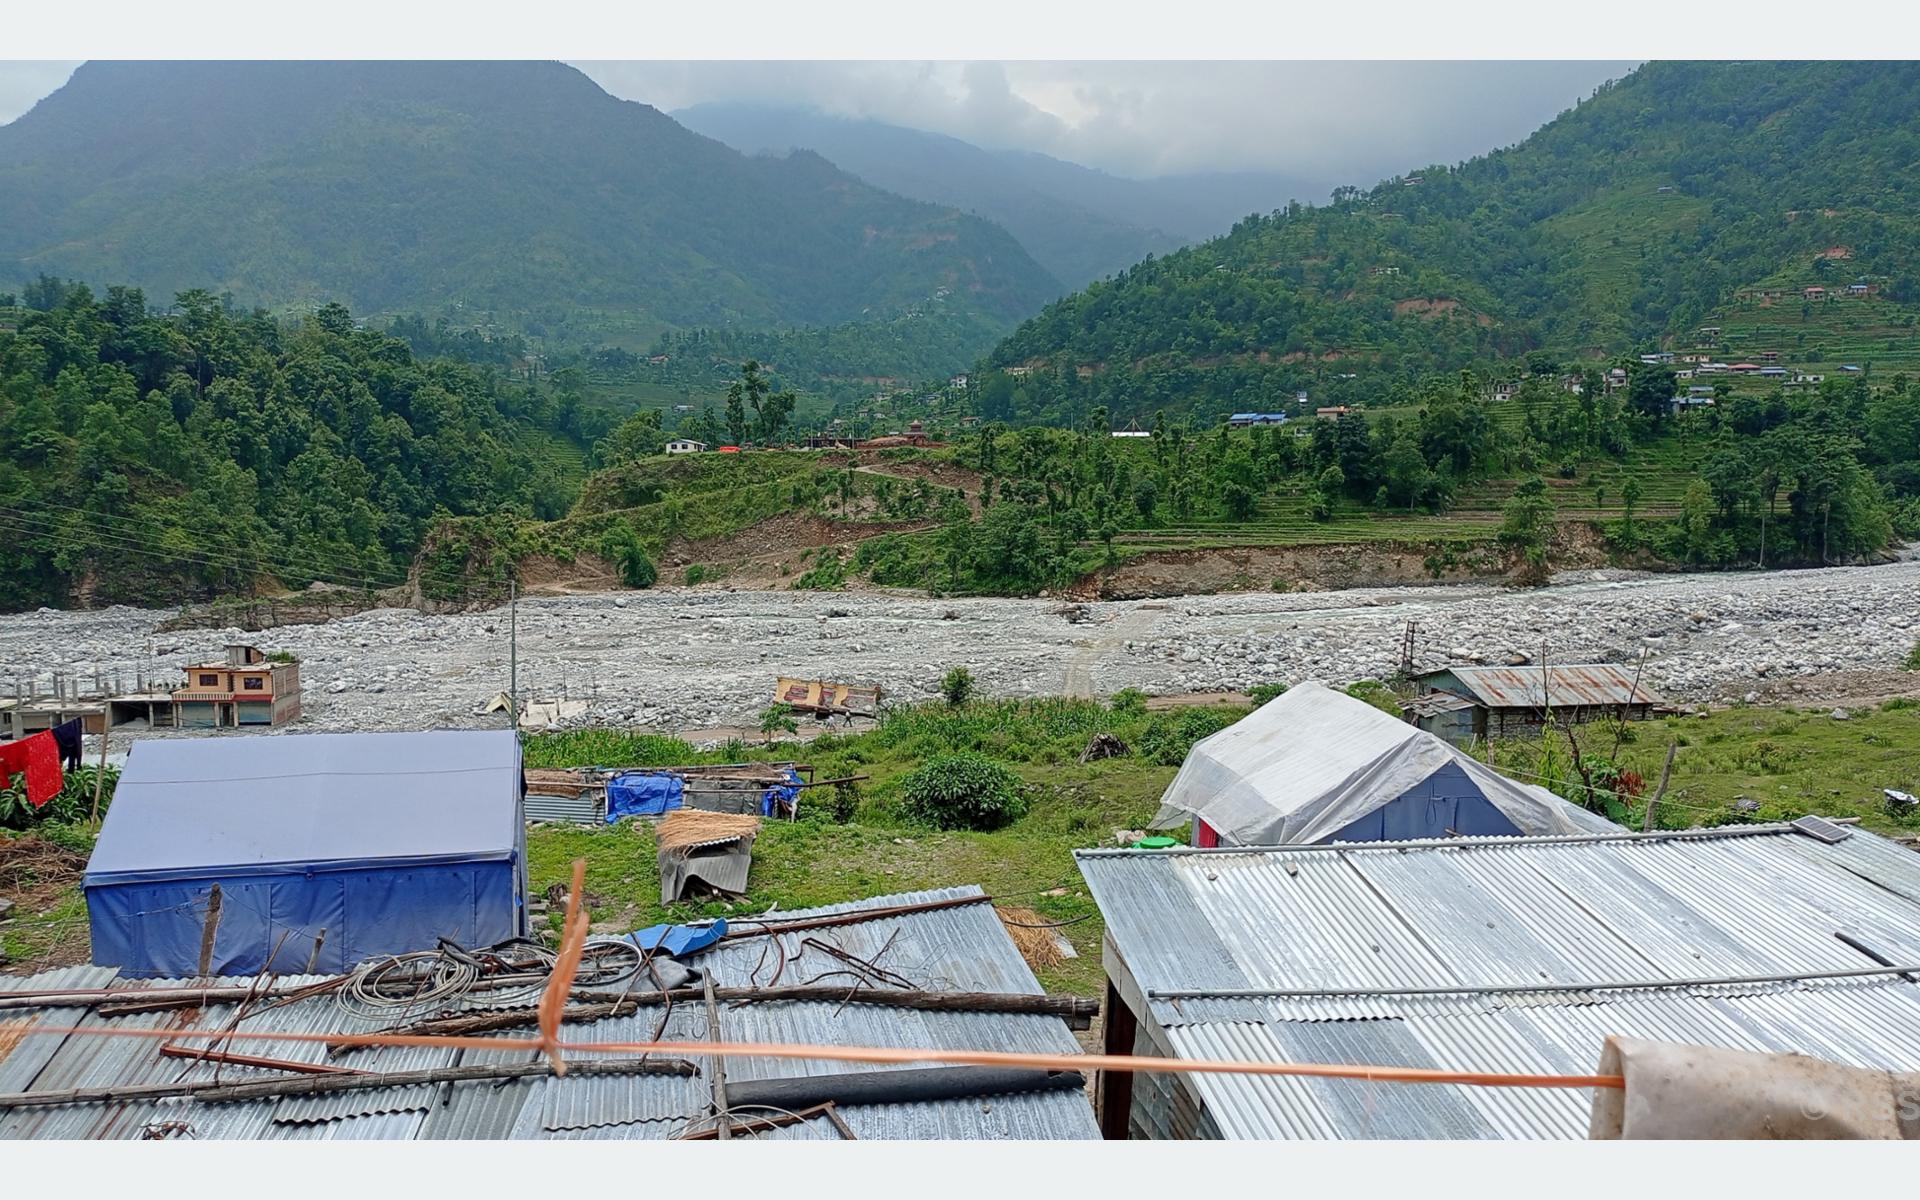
[245, 689]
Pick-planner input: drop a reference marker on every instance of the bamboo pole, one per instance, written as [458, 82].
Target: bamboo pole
[1077, 1011]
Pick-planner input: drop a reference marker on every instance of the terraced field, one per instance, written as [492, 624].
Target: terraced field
[1663, 471]
[1879, 335]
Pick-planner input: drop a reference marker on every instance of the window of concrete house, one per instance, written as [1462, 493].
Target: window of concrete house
[209, 681]
[254, 683]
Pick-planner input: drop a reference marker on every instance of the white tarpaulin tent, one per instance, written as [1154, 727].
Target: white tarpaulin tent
[1317, 765]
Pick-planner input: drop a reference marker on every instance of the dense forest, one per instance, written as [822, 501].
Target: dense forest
[1627, 218]
[518, 189]
[154, 457]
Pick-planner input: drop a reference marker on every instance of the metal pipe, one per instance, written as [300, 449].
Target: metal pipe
[1490, 989]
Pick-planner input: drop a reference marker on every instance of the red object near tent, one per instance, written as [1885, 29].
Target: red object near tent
[38, 758]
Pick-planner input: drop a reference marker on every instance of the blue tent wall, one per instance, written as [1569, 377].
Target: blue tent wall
[1446, 800]
[154, 927]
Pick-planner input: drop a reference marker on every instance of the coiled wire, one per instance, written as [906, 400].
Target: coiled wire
[515, 972]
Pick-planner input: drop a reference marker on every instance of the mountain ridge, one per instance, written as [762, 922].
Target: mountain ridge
[1082, 223]
[505, 186]
[1615, 227]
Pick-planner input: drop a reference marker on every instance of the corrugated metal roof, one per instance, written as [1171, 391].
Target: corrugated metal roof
[959, 948]
[1572, 685]
[1434, 703]
[1506, 913]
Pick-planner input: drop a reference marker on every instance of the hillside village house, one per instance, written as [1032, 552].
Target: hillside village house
[685, 446]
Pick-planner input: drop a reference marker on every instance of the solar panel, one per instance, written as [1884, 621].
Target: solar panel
[1822, 830]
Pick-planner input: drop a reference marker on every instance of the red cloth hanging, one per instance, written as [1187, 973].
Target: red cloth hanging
[38, 758]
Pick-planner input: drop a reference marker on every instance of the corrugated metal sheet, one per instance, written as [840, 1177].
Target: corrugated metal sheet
[960, 948]
[1507, 913]
[1574, 685]
[1434, 703]
[587, 808]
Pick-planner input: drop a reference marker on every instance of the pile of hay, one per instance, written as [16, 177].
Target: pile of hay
[37, 874]
[685, 827]
[1033, 933]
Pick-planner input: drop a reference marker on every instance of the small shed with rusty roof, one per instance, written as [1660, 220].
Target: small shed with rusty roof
[1519, 699]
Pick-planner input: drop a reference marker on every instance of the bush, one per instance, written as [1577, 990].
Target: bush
[962, 791]
[1170, 735]
[957, 686]
[1129, 702]
[1377, 694]
[695, 573]
[71, 804]
[843, 801]
[1912, 662]
[606, 748]
[621, 546]
[1260, 693]
[828, 574]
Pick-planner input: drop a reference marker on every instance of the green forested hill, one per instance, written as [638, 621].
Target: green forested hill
[148, 458]
[516, 188]
[1624, 221]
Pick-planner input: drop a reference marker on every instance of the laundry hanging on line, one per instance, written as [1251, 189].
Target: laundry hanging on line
[68, 736]
[38, 758]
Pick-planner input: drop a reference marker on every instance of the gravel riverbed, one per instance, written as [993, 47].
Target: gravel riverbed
[680, 659]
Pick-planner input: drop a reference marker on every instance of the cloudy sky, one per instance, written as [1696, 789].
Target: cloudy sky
[1356, 121]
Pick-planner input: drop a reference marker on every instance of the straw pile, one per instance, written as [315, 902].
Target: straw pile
[685, 827]
[1037, 945]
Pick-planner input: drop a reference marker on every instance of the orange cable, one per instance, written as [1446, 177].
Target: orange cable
[888, 1054]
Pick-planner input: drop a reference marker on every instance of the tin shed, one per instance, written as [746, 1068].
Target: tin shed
[326, 849]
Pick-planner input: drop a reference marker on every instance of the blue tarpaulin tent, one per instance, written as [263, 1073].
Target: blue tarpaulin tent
[360, 843]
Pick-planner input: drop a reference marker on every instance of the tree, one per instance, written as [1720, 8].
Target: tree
[1629, 497]
[739, 424]
[639, 436]
[1527, 525]
[1145, 496]
[1650, 390]
[620, 545]
[777, 718]
[957, 686]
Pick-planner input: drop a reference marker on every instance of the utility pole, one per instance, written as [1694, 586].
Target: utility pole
[513, 651]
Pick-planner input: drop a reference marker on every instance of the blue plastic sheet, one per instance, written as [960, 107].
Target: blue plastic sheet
[676, 941]
[643, 794]
[782, 799]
